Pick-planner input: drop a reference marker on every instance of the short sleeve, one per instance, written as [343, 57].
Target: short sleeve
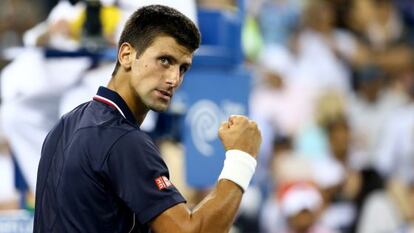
[140, 177]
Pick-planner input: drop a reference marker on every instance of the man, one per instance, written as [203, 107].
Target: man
[100, 173]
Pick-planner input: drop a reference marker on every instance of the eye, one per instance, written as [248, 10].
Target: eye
[184, 69]
[164, 61]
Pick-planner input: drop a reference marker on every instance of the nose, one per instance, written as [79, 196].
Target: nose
[174, 77]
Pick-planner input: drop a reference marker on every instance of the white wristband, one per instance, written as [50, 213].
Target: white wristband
[238, 167]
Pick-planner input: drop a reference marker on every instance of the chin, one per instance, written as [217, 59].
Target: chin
[159, 108]
[158, 105]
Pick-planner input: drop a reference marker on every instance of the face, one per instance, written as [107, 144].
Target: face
[302, 221]
[339, 138]
[321, 16]
[158, 72]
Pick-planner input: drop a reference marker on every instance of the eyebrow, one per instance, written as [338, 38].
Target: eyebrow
[175, 61]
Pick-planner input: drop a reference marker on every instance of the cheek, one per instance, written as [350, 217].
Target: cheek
[141, 75]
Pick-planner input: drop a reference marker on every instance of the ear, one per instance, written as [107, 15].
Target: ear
[126, 55]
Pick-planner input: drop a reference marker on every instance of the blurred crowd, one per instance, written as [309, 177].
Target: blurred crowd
[333, 94]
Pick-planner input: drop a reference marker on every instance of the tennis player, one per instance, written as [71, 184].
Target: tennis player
[100, 173]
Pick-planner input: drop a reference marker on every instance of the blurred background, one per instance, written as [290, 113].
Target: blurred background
[330, 83]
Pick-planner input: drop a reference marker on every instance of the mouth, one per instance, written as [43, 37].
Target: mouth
[164, 94]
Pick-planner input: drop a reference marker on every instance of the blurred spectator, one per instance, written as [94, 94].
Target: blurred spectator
[328, 175]
[395, 149]
[16, 16]
[270, 22]
[383, 212]
[31, 90]
[378, 22]
[278, 103]
[333, 48]
[379, 26]
[369, 182]
[284, 167]
[368, 109]
[339, 137]
[69, 27]
[283, 101]
[312, 139]
[395, 160]
[32, 86]
[301, 204]
[338, 187]
[270, 218]
[278, 20]
[326, 143]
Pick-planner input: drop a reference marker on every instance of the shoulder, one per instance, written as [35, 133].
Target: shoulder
[136, 137]
[135, 143]
[99, 129]
[134, 154]
[93, 114]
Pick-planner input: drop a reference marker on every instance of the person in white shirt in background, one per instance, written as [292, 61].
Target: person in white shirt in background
[278, 102]
[384, 211]
[31, 90]
[368, 109]
[392, 209]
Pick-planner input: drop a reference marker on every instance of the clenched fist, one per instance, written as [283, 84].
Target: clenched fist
[240, 133]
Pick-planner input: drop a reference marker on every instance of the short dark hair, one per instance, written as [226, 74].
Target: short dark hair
[148, 22]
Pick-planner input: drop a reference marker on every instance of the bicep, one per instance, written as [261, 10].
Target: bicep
[214, 214]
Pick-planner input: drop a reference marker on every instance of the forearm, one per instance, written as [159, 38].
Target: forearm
[217, 211]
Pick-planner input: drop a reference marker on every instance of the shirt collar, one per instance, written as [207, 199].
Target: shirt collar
[113, 99]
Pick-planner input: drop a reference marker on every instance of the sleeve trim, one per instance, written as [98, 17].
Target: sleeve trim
[151, 212]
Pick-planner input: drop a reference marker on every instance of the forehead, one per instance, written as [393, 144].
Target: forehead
[166, 45]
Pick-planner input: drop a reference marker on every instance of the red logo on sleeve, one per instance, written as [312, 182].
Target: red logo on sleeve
[162, 182]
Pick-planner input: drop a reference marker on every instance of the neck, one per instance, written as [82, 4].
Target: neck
[118, 84]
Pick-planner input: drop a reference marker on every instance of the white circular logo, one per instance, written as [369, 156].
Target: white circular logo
[204, 119]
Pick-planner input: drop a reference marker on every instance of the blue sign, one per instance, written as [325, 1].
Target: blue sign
[209, 98]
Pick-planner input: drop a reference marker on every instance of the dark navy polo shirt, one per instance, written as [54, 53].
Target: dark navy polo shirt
[100, 173]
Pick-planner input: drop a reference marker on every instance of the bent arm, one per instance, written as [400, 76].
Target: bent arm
[214, 214]
[217, 211]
